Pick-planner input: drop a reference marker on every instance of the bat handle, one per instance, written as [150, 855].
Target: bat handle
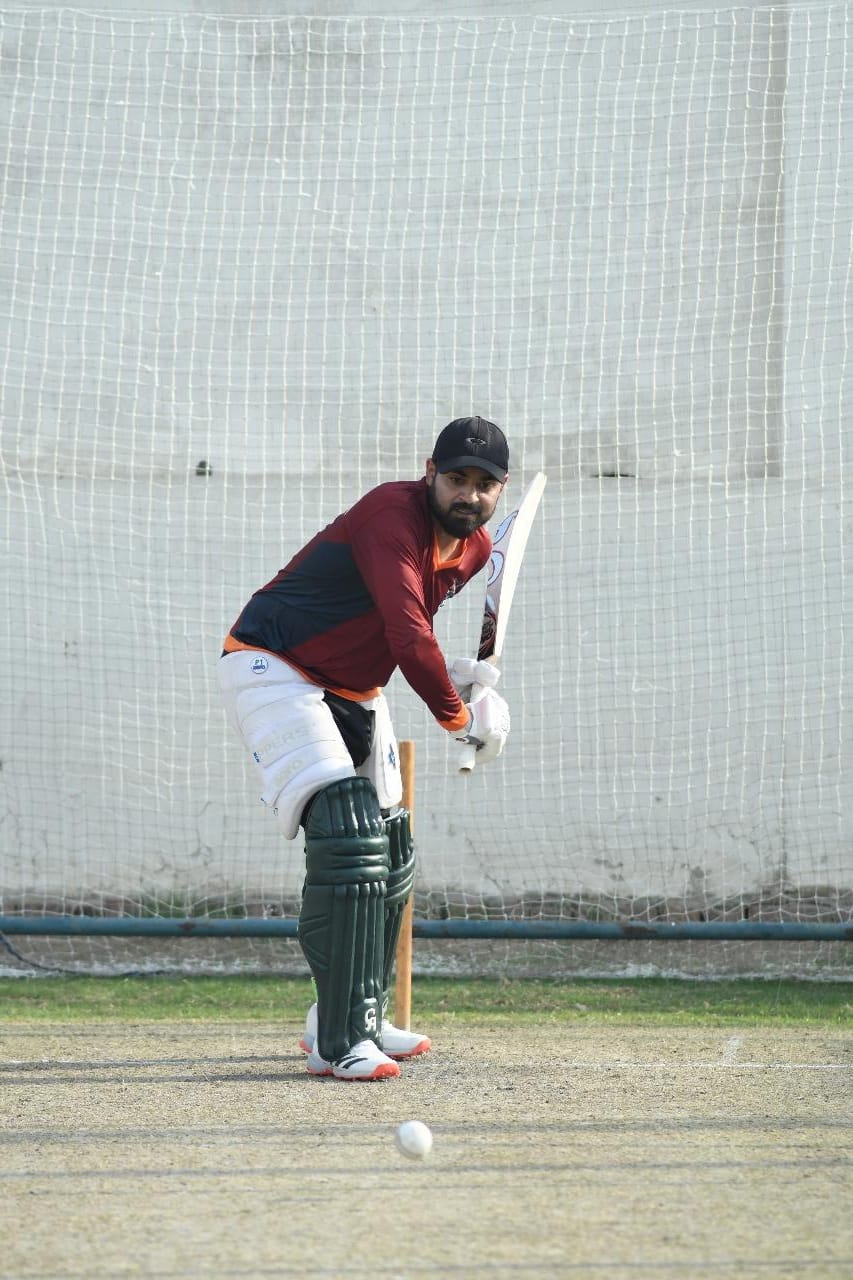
[468, 752]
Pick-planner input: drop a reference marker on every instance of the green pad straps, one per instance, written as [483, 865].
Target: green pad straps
[342, 922]
[401, 851]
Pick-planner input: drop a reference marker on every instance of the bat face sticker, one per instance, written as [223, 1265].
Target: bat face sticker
[488, 631]
[496, 568]
[503, 528]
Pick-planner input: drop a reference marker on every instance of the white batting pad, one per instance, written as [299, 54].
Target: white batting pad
[287, 728]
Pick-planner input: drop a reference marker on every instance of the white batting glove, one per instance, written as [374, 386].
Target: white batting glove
[465, 672]
[488, 728]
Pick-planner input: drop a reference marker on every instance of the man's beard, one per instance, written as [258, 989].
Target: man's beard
[459, 521]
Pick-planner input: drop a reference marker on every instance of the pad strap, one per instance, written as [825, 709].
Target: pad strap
[341, 925]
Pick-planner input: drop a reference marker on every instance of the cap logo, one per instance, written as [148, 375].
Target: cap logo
[474, 441]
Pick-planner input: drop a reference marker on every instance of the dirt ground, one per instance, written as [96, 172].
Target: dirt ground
[584, 1151]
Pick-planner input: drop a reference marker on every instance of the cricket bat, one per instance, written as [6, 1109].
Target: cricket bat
[508, 547]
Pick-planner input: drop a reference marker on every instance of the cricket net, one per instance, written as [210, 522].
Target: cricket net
[250, 267]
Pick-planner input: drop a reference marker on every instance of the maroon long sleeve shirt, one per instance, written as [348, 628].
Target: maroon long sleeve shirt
[358, 601]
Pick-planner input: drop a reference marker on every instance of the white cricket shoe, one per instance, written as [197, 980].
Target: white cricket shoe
[318, 1066]
[364, 1061]
[396, 1042]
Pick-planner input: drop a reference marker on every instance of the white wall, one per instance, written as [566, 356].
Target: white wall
[295, 248]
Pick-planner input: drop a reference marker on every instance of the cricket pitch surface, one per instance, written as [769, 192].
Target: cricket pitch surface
[206, 1150]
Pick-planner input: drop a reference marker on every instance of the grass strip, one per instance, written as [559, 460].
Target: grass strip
[263, 998]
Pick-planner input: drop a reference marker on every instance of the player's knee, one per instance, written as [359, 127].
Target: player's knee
[345, 837]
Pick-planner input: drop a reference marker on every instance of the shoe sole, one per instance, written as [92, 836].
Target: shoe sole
[423, 1046]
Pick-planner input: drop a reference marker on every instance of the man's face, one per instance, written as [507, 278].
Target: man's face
[461, 501]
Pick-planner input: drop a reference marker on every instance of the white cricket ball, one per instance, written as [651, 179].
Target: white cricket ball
[414, 1139]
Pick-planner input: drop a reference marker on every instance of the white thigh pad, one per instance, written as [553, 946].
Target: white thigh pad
[287, 728]
[382, 766]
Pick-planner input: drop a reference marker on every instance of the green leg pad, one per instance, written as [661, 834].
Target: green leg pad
[342, 922]
[401, 851]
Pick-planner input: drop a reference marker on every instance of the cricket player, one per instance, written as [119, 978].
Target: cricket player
[301, 675]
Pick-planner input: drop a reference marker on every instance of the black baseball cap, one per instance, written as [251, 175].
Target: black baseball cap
[472, 442]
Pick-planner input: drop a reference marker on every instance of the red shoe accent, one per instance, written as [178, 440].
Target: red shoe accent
[423, 1046]
[386, 1071]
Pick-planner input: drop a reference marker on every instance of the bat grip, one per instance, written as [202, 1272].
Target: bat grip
[468, 756]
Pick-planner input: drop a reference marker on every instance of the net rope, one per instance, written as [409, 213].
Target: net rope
[251, 266]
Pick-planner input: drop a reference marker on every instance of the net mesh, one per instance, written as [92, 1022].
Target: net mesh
[250, 267]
